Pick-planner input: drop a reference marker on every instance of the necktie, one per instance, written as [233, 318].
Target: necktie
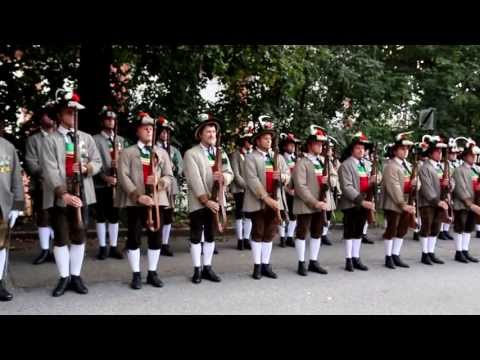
[71, 135]
[404, 163]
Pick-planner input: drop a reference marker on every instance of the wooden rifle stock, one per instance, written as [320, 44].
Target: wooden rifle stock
[218, 191]
[153, 220]
[446, 216]
[371, 215]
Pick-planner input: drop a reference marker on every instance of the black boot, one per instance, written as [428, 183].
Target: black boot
[209, 274]
[415, 236]
[136, 283]
[42, 258]
[290, 242]
[469, 257]
[102, 253]
[215, 251]
[357, 264]
[302, 270]
[77, 285]
[326, 240]
[478, 235]
[349, 264]
[154, 280]
[366, 240]
[268, 272]
[240, 244]
[435, 259]
[61, 287]
[197, 276]
[460, 257]
[257, 273]
[389, 262]
[448, 236]
[398, 261]
[282, 242]
[4, 294]
[315, 267]
[426, 259]
[165, 250]
[246, 244]
[442, 236]
[113, 252]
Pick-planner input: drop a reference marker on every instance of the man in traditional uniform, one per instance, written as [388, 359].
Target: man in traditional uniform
[199, 163]
[69, 212]
[309, 181]
[109, 145]
[355, 183]
[243, 225]
[165, 141]
[396, 187]
[368, 165]
[264, 202]
[135, 174]
[11, 203]
[334, 188]
[45, 117]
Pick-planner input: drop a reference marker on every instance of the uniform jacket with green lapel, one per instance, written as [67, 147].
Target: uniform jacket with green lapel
[349, 185]
[238, 184]
[177, 167]
[103, 148]
[392, 186]
[11, 184]
[199, 176]
[33, 148]
[463, 193]
[131, 181]
[54, 172]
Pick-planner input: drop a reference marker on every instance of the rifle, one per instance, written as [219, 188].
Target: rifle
[371, 194]
[170, 196]
[325, 187]
[153, 223]
[477, 193]
[278, 185]
[77, 181]
[412, 196]
[218, 190]
[113, 168]
[446, 216]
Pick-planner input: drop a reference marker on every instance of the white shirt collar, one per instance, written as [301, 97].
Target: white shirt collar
[434, 163]
[44, 133]
[399, 161]
[141, 145]
[62, 130]
[312, 157]
[357, 161]
[106, 135]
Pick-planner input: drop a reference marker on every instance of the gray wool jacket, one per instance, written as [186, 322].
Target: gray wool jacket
[11, 184]
[102, 145]
[350, 185]
[33, 149]
[463, 193]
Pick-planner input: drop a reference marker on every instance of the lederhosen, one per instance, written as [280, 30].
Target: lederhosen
[465, 220]
[430, 215]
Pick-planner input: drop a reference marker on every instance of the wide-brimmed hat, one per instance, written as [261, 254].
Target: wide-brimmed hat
[402, 139]
[204, 120]
[287, 138]
[107, 112]
[144, 118]
[470, 146]
[68, 99]
[433, 142]
[317, 133]
[263, 126]
[453, 146]
[163, 123]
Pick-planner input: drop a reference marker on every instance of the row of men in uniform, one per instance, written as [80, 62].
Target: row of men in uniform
[257, 198]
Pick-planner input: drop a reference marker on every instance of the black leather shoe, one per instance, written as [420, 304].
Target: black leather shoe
[240, 244]
[77, 285]
[136, 283]
[389, 262]
[165, 250]
[102, 253]
[478, 235]
[357, 264]
[209, 274]
[246, 244]
[469, 257]
[426, 259]
[268, 272]
[257, 273]
[447, 235]
[398, 261]
[42, 258]
[442, 236]
[282, 242]
[460, 257]
[366, 240]
[4, 294]
[416, 237]
[315, 267]
[61, 287]
[290, 242]
[348, 264]
[435, 259]
[115, 253]
[197, 276]
[302, 269]
[215, 251]
[154, 280]
[326, 241]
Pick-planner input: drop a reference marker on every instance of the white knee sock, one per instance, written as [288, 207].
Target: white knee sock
[134, 259]
[153, 256]
[101, 234]
[397, 246]
[458, 238]
[357, 243]
[3, 258]
[52, 233]
[348, 248]
[432, 240]
[365, 228]
[388, 247]
[466, 241]
[62, 259]
[477, 227]
[239, 229]
[291, 228]
[113, 234]
[424, 242]
[208, 248]
[44, 237]
[195, 251]
[256, 252]
[266, 252]
[77, 253]
[281, 229]
[202, 240]
[300, 247]
[325, 231]
[445, 227]
[314, 249]
[247, 228]
[166, 233]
